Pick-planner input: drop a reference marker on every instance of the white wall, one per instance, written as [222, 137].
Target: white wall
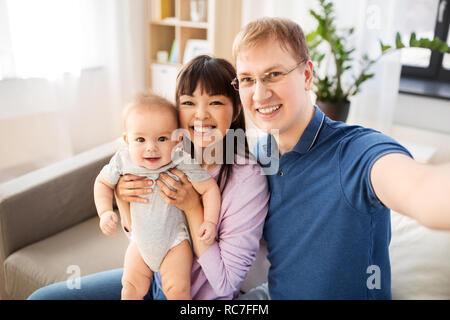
[292, 9]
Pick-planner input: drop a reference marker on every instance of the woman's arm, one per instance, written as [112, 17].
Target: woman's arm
[244, 208]
[227, 262]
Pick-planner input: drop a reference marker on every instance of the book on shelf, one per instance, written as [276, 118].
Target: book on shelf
[161, 9]
[174, 52]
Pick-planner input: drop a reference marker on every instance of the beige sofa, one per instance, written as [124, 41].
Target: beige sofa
[49, 227]
[49, 232]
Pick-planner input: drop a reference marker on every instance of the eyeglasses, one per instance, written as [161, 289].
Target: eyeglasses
[268, 78]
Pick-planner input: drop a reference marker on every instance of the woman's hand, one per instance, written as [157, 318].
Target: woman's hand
[129, 188]
[185, 197]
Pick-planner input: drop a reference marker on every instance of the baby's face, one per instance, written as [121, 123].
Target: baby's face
[148, 135]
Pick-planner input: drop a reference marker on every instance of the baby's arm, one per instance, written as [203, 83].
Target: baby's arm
[103, 198]
[211, 198]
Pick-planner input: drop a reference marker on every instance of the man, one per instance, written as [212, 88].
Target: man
[328, 226]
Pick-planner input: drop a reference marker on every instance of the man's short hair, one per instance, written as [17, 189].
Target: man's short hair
[288, 33]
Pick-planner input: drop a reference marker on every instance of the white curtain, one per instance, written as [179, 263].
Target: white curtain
[67, 67]
[373, 20]
[45, 38]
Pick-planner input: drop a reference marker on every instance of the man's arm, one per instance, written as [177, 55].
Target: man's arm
[419, 191]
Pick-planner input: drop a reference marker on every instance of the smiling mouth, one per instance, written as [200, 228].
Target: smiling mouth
[202, 129]
[269, 110]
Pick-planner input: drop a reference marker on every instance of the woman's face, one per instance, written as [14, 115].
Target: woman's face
[206, 117]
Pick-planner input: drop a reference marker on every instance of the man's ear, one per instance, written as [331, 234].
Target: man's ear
[308, 75]
[125, 137]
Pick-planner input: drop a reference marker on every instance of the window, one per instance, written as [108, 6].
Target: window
[47, 38]
[425, 72]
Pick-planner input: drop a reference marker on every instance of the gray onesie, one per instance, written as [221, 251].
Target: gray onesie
[156, 226]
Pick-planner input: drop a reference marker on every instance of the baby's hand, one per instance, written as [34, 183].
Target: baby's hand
[108, 222]
[207, 232]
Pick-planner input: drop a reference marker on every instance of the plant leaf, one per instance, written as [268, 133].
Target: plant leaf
[424, 43]
[435, 43]
[413, 42]
[398, 41]
[310, 37]
[384, 47]
[443, 48]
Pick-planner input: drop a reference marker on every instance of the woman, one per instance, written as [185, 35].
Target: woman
[208, 106]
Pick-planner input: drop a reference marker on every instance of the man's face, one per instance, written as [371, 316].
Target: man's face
[280, 105]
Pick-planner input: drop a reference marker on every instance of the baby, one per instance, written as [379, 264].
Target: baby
[160, 237]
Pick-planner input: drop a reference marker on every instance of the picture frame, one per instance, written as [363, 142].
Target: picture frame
[194, 48]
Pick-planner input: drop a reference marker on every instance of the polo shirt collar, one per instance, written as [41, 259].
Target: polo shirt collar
[307, 139]
[309, 136]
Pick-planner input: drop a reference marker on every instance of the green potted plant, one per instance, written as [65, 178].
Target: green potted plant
[332, 95]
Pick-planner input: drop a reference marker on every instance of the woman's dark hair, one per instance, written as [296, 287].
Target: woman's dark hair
[214, 76]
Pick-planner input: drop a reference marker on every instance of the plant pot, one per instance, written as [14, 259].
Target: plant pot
[335, 111]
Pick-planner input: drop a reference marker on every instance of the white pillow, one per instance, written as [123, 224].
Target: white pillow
[420, 260]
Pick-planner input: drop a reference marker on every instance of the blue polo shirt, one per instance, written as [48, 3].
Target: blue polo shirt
[327, 233]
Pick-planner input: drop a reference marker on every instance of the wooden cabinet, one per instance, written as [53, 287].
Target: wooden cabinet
[173, 23]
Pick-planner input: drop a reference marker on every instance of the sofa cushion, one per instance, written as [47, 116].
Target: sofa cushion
[52, 259]
[419, 260]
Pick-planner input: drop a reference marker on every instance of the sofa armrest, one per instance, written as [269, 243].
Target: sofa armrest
[49, 200]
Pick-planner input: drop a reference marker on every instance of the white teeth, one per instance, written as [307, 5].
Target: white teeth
[202, 129]
[269, 109]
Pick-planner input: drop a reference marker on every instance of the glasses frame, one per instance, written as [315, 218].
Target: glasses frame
[235, 81]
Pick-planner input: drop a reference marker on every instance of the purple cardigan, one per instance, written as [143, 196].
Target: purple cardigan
[220, 270]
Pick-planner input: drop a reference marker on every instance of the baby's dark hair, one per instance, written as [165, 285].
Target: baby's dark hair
[213, 76]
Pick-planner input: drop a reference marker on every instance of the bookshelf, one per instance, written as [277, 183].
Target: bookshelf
[174, 22]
